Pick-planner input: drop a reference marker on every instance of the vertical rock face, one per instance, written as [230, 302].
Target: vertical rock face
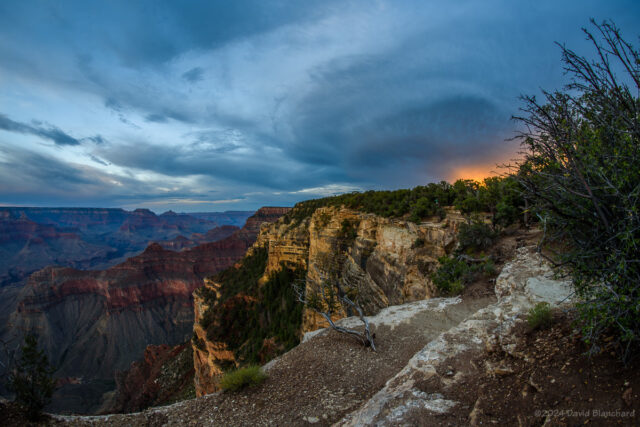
[388, 261]
[92, 323]
[209, 358]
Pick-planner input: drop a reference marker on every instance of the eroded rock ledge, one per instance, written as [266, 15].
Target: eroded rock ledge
[523, 282]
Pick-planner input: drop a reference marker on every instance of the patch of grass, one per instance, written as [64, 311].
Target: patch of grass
[244, 377]
[540, 316]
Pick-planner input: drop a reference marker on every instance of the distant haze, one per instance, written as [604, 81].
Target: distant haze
[214, 106]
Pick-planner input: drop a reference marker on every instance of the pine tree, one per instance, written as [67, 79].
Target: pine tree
[31, 380]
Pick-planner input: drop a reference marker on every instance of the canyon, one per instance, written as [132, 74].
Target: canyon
[92, 323]
[83, 238]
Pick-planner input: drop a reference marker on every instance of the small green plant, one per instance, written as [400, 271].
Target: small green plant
[418, 243]
[454, 274]
[540, 316]
[244, 377]
[31, 380]
[323, 219]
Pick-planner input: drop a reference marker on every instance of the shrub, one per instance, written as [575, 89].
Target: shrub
[31, 379]
[452, 275]
[418, 243]
[476, 236]
[581, 175]
[540, 316]
[244, 377]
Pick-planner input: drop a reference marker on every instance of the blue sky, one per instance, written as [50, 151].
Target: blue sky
[218, 105]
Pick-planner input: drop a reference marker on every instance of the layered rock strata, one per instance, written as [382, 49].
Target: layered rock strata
[92, 323]
[388, 261]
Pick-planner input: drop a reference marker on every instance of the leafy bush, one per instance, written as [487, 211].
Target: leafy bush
[540, 316]
[476, 236]
[244, 377]
[452, 275]
[418, 243]
[31, 380]
[581, 175]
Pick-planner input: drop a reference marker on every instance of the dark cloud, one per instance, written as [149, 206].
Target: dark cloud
[291, 97]
[156, 118]
[194, 75]
[113, 104]
[50, 133]
[98, 139]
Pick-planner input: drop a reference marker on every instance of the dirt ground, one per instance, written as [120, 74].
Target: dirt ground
[551, 382]
[318, 382]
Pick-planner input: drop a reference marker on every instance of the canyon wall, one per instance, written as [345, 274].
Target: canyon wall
[95, 238]
[388, 261]
[92, 323]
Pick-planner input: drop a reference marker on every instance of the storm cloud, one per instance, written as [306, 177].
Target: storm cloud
[50, 133]
[231, 105]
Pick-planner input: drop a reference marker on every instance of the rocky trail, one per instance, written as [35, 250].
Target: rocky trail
[321, 380]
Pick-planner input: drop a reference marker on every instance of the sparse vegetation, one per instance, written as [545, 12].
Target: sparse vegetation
[418, 243]
[540, 316]
[241, 378]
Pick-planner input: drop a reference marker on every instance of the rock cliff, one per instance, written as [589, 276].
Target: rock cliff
[388, 261]
[92, 323]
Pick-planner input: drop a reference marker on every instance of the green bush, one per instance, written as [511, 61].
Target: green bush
[244, 377]
[452, 275]
[476, 237]
[418, 243]
[540, 316]
[581, 175]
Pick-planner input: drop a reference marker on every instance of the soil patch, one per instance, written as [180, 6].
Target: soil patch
[550, 381]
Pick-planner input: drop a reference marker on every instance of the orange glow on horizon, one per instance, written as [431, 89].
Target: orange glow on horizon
[475, 172]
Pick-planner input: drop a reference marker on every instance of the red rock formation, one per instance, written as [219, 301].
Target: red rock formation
[164, 374]
[92, 323]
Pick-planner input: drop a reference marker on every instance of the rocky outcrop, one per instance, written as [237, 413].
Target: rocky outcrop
[388, 261]
[92, 323]
[164, 375]
[209, 358]
[523, 282]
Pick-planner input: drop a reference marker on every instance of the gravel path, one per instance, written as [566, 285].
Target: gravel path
[320, 380]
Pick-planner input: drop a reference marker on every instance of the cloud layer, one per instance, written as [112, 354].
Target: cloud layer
[232, 105]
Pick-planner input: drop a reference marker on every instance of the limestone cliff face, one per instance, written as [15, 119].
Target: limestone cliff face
[388, 261]
[208, 357]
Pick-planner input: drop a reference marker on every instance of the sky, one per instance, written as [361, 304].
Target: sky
[233, 105]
